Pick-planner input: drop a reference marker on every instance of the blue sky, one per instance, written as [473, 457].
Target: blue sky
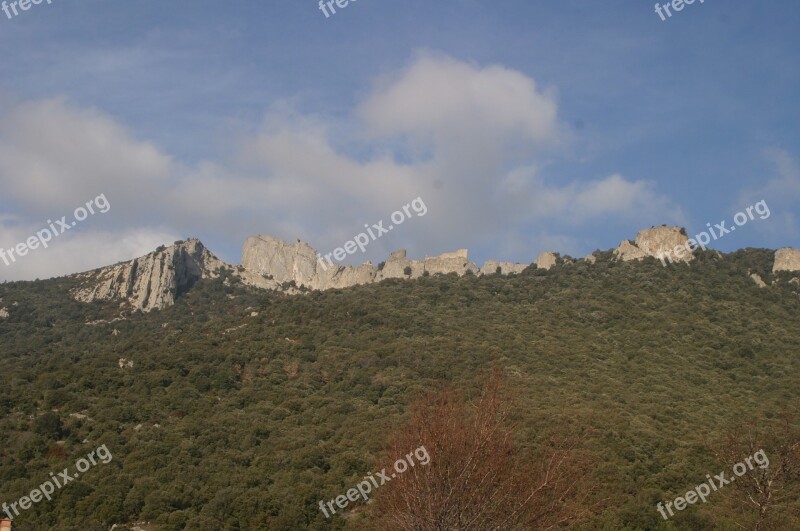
[524, 125]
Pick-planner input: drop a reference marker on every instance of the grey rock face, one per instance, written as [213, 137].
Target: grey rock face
[282, 262]
[546, 260]
[344, 276]
[273, 258]
[490, 267]
[786, 259]
[456, 262]
[155, 280]
[628, 251]
[395, 267]
[152, 281]
[658, 242]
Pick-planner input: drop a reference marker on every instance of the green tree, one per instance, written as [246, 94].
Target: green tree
[49, 425]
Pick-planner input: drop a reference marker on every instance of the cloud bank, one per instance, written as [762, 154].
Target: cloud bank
[471, 140]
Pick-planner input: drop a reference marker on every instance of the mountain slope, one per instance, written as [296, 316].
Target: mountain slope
[245, 407]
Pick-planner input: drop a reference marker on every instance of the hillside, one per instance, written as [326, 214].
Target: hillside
[244, 407]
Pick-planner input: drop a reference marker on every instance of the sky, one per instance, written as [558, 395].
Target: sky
[522, 125]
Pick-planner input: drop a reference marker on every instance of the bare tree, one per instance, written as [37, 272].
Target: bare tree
[477, 479]
[764, 494]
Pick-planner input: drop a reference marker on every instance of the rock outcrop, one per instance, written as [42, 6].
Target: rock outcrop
[396, 266]
[298, 262]
[152, 281]
[628, 251]
[546, 260]
[4, 313]
[399, 266]
[786, 259]
[491, 267]
[155, 280]
[663, 243]
[456, 262]
[282, 261]
[758, 280]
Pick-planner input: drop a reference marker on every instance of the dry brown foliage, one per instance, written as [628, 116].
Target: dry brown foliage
[477, 478]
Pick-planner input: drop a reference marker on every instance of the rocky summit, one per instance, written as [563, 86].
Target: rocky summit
[787, 259]
[655, 242]
[152, 281]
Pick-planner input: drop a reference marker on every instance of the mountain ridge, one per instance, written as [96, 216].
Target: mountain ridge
[157, 279]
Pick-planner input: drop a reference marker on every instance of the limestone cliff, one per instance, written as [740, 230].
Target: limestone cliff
[155, 280]
[299, 263]
[455, 262]
[490, 267]
[786, 259]
[628, 251]
[546, 260]
[152, 281]
[657, 242]
[284, 262]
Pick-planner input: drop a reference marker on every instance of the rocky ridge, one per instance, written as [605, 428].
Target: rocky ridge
[156, 280]
[298, 262]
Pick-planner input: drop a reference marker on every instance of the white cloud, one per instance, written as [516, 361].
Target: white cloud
[54, 156]
[615, 195]
[74, 252]
[457, 106]
[462, 137]
[469, 140]
[580, 201]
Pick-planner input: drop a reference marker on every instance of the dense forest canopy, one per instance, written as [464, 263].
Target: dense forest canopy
[241, 409]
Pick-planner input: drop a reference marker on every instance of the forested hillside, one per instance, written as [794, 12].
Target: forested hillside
[244, 408]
